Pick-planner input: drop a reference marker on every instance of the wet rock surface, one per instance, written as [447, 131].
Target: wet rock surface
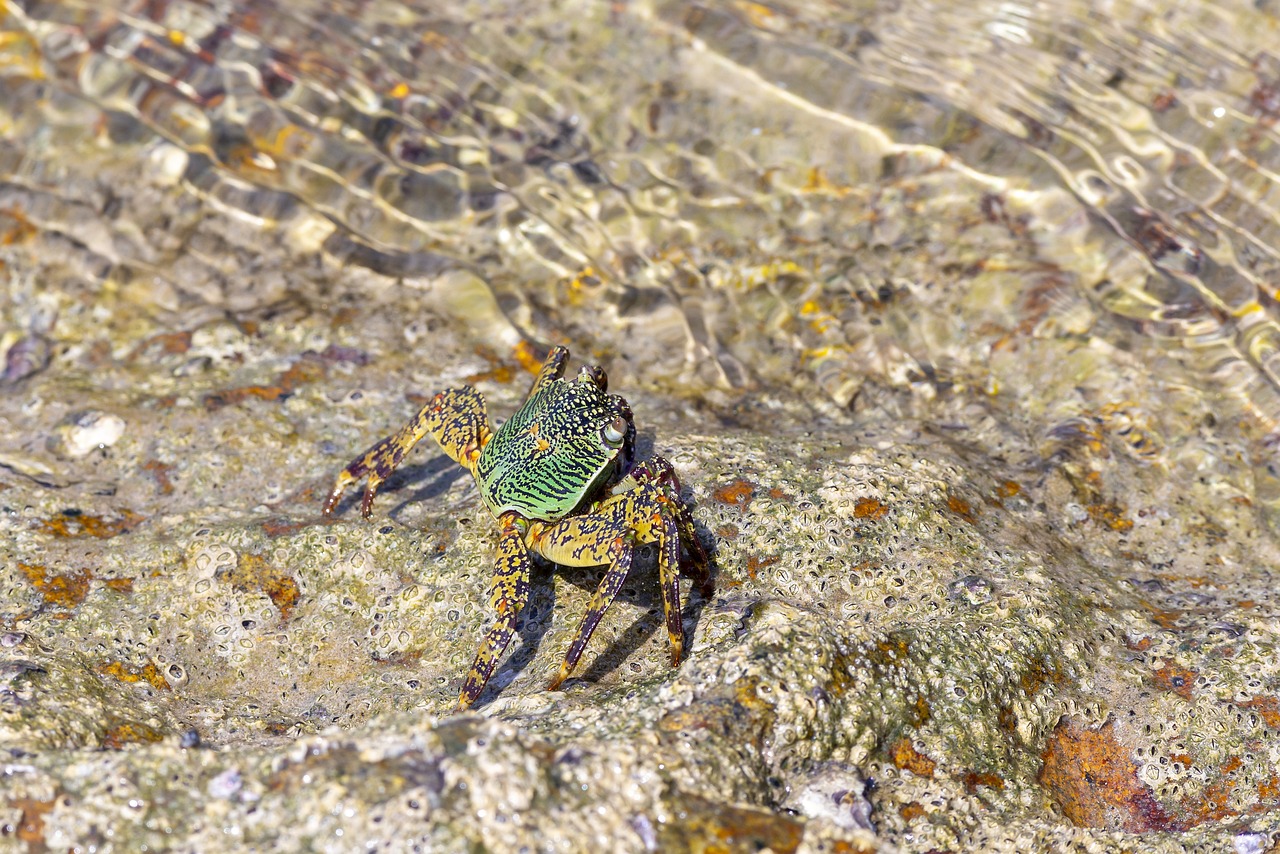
[985, 636]
[993, 564]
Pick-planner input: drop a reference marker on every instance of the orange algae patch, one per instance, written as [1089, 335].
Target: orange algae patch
[160, 473]
[21, 231]
[1175, 679]
[526, 358]
[870, 508]
[529, 357]
[278, 526]
[961, 508]
[120, 735]
[905, 756]
[1110, 514]
[306, 370]
[166, 343]
[76, 524]
[739, 493]
[66, 590]
[254, 573]
[755, 564]
[148, 673]
[727, 532]
[1004, 490]
[31, 825]
[710, 827]
[1094, 779]
[1266, 707]
[499, 371]
[972, 780]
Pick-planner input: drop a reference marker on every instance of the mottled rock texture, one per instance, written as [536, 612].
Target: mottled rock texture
[994, 561]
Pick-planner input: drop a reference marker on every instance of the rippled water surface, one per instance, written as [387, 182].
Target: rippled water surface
[864, 205]
[730, 161]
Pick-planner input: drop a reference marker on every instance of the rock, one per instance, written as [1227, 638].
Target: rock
[82, 433]
[29, 355]
[835, 792]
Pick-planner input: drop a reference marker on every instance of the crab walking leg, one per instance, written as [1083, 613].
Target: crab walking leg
[507, 597]
[457, 419]
[618, 555]
[552, 368]
[669, 581]
[660, 474]
[654, 515]
[607, 535]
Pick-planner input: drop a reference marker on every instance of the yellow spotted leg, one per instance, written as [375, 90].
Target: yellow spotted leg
[608, 535]
[617, 553]
[508, 594]
[457, 419]
[552, 368]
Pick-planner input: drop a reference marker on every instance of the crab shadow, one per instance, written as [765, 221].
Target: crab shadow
[651, 620]
[424, 482]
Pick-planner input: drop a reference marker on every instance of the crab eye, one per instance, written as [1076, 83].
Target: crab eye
[615, 431]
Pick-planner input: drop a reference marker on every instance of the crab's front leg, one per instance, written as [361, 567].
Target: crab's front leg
[457, 419]
[508, 595]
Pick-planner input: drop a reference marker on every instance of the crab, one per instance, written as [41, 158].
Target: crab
[561, 478]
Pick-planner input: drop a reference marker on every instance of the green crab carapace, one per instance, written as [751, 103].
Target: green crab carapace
[561, 479]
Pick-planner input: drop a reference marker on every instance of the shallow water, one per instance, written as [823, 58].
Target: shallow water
[698, 155]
